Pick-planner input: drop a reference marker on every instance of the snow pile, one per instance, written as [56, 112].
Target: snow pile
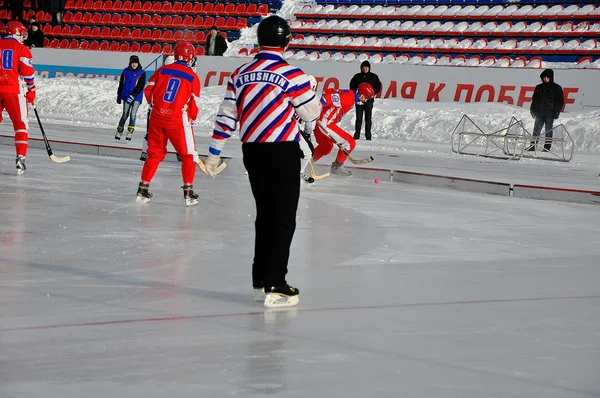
[92, 102]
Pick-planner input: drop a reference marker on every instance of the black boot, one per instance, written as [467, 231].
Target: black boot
[143, 193]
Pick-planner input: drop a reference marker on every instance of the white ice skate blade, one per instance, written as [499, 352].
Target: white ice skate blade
[141, 199]
[191, 202]
[259, 294]
[276, 300]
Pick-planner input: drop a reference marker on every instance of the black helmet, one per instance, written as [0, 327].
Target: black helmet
[274, 31]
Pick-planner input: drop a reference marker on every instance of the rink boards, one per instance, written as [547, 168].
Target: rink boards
[383, 174]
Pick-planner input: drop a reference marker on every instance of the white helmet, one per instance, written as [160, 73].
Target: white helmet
[313, 82]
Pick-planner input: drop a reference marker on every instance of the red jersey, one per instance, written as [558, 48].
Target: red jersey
[16, 66]
[172, 91]
[336, 103]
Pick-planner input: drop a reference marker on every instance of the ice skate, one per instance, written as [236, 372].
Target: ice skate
[281, 296]
[191, 198]
[143, 156]
[20, 162]
[130, 130]
[119, 132]
[338, 168]
[143, 193]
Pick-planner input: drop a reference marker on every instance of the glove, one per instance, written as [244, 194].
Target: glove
[119, 99]
[212, 164]
[130, 99]
[30, 95]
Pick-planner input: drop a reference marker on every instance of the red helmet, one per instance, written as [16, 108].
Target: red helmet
[185, 51]
[17, 30]
[365, 89]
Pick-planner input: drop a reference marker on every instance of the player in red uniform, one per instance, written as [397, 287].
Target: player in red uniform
[336, 103]
[16, 71]
[171, 92]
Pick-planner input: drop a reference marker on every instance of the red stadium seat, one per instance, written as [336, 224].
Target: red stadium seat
[167, 21]
[167, 7]
[127, 6]
[137, 6]
[199, 38]
[76, 31]
[199, 23]
[178, 35]
[156, 35]
[135, 47]
[106, 19]
[197, 9]
[136, 34]
[64, 43]
[103, 46]
[97, 5]
[125, 34]
[94, 45]
[107, 6]
[117, 6]
[156, 20]
[56, 30]
[77, 18]
[84, 44]
[96, 18]
[146, 21]
[240, 9]
[187, 22]
[67, 17]
[78, 5]
[124, 47]
[189, 36]
[251, 10]
[229, 9]
[209, 8]
[146, 34]
[177, 7]
[88, 5]
[126, 21]
[200, 50]
[156, 7]
[167, 35]
[95, 33]
[208, 22]
[105, 33]
[73, 45]
[155, 48]
[147, 6]
[219, 9]
[54, 43]
[167, 49]
[243, 52]
[220, 23]
[114, 46]
[187, 8]
[242, 23]
[263, 10]
[136, 20]
[146, 48]
[115, 34]
[47, 29]
[230, 23]
[85, 31]
[116, 19]
[66, 31]
[177, 21]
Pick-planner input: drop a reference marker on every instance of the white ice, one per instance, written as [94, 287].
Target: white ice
[406, 291]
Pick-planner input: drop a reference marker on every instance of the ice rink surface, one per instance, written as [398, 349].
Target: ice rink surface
[406, 291]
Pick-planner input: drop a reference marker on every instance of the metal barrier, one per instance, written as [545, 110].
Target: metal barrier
[512, 142]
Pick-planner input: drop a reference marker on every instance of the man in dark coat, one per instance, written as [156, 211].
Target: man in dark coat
[365, 76]
[35, 36]
[546, 104]
[215, 43]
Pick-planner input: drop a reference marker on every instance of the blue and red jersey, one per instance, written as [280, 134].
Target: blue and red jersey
[172, 91]
[260, 102]
[16, 66]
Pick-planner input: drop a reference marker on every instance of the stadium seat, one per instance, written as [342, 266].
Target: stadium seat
[135, 47]
[146, 48]
[125, 47]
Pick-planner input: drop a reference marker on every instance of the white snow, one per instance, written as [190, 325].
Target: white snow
[92, 103]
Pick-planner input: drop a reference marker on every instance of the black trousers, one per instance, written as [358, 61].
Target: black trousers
[367, 108]
[274, 174]
[547, 123]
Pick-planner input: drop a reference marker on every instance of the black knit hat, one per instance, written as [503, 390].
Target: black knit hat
[134, 58]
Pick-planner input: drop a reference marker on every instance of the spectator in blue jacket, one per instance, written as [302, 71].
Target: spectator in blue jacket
[131, 93]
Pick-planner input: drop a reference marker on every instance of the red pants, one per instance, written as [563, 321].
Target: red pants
[16, 106]
[325, 144]
[181, 136]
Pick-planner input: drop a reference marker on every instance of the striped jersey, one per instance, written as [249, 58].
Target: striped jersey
[262, 97]
[17, 66]
[336, 103]
[172, 90]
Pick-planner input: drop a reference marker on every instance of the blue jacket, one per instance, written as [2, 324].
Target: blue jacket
[132, 83]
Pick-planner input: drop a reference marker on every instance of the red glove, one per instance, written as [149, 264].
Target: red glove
[30, 95]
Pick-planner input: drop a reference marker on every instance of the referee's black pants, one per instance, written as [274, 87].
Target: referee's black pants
[274, 173]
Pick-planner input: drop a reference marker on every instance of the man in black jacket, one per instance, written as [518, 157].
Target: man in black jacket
[365, 76]
[215, 43]
[35, 36]
[546, 105]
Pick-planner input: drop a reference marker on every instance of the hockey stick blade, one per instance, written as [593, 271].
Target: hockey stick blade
[54, 158]
[314, 175]
[202, 166]
[350, 158]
